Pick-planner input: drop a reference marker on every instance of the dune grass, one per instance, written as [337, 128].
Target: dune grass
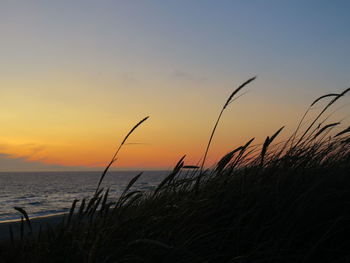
[281, 202]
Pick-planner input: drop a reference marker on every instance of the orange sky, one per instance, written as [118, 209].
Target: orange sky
[84, 128]
[76, 76]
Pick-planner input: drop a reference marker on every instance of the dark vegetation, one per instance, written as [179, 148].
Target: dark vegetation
[273, 202]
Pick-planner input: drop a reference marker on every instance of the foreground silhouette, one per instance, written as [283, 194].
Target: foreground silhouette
[282, 202]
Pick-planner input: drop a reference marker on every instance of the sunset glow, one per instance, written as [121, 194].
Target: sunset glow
[76, 77]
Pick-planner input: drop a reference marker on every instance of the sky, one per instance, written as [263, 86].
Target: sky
[75, 76]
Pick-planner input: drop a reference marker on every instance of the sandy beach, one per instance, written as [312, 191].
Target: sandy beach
[35, 222]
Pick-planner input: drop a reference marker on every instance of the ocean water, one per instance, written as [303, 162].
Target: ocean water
[48, 193]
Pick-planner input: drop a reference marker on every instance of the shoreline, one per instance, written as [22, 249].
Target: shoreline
[15, 224]
[32, 217]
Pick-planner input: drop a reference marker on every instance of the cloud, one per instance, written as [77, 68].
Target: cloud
[128, 78]
[27, 151]
[30, 156]
[183, 75]
[9, 163]
[17, 164]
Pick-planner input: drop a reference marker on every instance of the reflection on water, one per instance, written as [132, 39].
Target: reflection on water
[44, 193]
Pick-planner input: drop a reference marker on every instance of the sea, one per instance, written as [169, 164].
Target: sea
[50, 193]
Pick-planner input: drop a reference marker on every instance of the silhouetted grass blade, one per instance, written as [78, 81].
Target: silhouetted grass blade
[116, 153]
[24, 213]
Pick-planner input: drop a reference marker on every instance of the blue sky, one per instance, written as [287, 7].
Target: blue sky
[67, 65]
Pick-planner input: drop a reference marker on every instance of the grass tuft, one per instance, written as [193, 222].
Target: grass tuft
[272, 202]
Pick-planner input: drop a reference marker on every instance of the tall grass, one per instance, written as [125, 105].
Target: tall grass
[227, 103]
[114, 158]
[270, 202]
